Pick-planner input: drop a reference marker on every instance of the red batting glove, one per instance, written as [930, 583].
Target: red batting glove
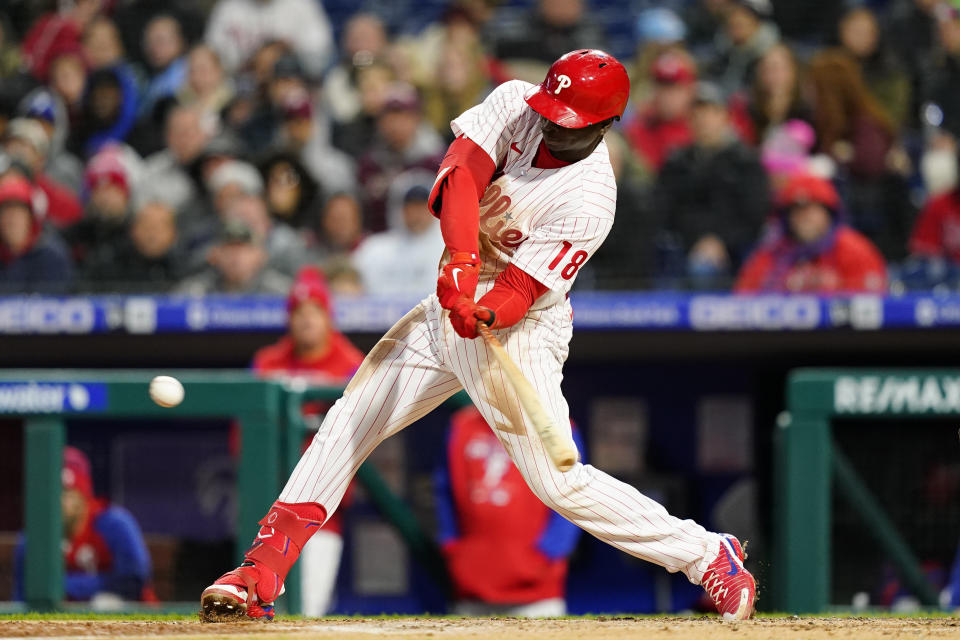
[458, 278]
[465, 315]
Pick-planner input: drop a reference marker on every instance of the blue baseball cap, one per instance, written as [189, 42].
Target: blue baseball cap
[660, 25]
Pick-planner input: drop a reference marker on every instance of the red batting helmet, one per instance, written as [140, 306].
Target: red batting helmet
[582, 88]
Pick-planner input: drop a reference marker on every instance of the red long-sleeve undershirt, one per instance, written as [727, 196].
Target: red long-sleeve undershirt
[466, 171]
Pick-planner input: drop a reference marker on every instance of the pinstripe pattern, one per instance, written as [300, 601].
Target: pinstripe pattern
[421, 361]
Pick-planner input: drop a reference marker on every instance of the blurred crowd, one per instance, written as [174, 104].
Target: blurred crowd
[221, 145]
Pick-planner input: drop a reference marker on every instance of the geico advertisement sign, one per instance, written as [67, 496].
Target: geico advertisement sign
[759, 312]
[47, 315]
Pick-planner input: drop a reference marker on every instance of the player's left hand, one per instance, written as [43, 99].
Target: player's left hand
[466, 313]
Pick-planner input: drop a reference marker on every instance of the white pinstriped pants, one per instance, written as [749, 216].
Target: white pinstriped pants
[421, 362]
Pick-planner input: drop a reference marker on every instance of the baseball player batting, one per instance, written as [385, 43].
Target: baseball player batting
[525, 195]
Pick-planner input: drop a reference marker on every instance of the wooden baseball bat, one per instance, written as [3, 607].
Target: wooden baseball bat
[560, 446]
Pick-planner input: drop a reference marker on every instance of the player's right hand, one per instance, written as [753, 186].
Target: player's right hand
[458, 278]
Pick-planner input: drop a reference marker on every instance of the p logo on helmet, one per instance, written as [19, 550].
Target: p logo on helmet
[582, 88]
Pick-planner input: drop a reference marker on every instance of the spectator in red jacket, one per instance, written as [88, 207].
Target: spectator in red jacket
[27, 141]
[506, 552]
[662, 125]
[936, 233]
[315, 349]
[812, 250]
[32, 259]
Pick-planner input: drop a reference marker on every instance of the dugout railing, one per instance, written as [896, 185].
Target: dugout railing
[809, 465]
[268, 413]
[47, 398]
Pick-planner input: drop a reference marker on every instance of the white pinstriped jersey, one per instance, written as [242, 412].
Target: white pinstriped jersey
[547, 222]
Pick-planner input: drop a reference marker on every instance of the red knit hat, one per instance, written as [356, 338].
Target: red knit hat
[106, 167]
[805, 187]
[310, 284]
[16, 189]
[76, 471]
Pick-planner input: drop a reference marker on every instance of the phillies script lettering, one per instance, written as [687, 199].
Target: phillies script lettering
[494, 203]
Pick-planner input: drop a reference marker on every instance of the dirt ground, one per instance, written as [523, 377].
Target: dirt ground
[475, 628]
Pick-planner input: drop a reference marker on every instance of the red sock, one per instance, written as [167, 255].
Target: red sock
[283, 532]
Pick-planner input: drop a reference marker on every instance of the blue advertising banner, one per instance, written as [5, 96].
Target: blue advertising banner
[597, 311]
[52, 397]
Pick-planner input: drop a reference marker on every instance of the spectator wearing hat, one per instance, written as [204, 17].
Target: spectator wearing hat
[657, 31]
[286, 249]
[788, 150]
[108, 184]
[313, 348]
[32, 259]
[148, 259]
[238, 27]
[229, 181]
[236, 263]
[300, 134]
[812, 250]
[663, 123]
[747, 34]
[104, 552]
[225, 181]
[47, 108]
[27, 141]
[403, 259]
[710, 198]
[55, 32]
[403, 141]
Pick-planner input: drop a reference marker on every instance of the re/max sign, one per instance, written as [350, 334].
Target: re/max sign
[892, 394]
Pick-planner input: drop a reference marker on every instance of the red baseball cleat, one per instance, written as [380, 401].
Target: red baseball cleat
[234, 596]
[250, 590]
[730, 586]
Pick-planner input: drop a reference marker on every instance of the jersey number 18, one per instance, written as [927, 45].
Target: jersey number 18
[570, 269]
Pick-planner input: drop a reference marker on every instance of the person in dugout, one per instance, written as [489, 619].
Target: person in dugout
[104, 552]
[313, 349]
[507, 552]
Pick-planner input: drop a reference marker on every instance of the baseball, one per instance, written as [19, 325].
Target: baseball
[166, 391]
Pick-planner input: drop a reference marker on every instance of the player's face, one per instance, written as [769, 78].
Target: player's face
[571, 145]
